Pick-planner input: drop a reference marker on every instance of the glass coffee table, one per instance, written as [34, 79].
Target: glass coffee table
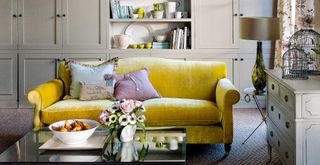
[165, 144]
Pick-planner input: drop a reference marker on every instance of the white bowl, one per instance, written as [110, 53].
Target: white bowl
[160, 38]
[74, 137]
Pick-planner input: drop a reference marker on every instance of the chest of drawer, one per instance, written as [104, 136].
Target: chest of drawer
[277, 142]
[281, 118]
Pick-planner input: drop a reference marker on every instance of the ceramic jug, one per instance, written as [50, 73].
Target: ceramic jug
[122, 41]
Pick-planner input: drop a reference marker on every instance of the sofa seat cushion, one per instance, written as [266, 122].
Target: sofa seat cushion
[181, 112]
[74, 109]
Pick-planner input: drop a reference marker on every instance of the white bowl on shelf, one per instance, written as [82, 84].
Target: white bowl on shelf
[160, 38]
[76, 137]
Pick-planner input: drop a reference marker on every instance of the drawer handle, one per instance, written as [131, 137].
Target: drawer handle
[271, 133]
[279, 143]
[286, 155]
[272, 86]
[287, 124]
[272, 108]
[286, 99]
[279, 116]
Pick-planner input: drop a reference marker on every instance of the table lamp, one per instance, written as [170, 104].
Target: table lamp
[259, 28]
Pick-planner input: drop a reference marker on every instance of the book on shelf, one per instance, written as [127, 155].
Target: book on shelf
[120, 11]
[179, 38]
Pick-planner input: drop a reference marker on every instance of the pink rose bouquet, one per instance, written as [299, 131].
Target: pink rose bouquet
[123, 113]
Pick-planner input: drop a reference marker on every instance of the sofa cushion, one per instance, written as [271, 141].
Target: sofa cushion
[134, 85]
[181, 112]
[97, 91]
[74, 109]
[64, 72]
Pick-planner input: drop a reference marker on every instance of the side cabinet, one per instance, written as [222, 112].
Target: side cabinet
[293, 118]
[8, 80]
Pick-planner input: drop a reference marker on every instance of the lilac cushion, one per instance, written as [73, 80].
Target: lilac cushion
[133, 85]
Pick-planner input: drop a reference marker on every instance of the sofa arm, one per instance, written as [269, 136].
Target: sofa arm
[227, 95]
[43, 96]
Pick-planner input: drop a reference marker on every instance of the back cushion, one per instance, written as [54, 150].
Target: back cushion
[177, 78]
[64, 72]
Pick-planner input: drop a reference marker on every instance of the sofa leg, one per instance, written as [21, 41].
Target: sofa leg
[227, 148]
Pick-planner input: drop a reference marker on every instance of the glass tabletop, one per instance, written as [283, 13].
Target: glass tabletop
[164, 144]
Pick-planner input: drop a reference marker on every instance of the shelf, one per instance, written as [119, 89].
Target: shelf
[150, 20]
[129, 50]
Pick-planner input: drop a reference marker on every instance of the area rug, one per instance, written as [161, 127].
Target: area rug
[14, 123]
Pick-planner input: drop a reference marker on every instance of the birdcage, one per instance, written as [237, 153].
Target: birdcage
[308, 41]
[294, 64]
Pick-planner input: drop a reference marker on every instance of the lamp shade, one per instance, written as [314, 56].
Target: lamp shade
[259, 28]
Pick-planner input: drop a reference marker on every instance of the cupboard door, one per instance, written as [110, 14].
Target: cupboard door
[216, 24]
[39, 24]
[84, 24]
[8, 77]
[34, 70]
[8, 24]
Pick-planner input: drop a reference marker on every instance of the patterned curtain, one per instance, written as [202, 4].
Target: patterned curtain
[295, 15]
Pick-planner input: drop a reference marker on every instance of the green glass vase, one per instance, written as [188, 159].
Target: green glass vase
[258, 73]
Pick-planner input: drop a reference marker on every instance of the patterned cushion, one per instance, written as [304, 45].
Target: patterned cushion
[96, 91]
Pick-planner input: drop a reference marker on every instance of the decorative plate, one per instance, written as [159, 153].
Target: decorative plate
[140, 33]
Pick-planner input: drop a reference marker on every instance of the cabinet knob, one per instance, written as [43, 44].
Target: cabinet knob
[286, 99]
[241, 59]
[286, 155]
[14, 15]
[287, 124]
[272, 108]
[279, 116]
[236, 59]
[20, 15]
[63, 15]
[235, 14]
[279, 143]
[58, 15]
[241, 14]
[272, 86]
[271, 133]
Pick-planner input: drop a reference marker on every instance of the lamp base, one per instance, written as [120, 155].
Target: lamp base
[258, 73]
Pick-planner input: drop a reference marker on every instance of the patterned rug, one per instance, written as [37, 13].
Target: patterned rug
[15, 123]
[253, 152]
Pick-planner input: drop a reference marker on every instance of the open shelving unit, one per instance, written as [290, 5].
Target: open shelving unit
[162, 26]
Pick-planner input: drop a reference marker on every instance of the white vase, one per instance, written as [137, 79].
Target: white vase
[127, 133]
[127, 152]
[170, 8]
[122, 41]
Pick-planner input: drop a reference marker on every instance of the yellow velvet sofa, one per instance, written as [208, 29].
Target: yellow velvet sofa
[195, 95]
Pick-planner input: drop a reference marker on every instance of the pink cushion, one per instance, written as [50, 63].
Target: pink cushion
[133, 85]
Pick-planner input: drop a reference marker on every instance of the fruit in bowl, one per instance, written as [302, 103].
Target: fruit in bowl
[74, 131]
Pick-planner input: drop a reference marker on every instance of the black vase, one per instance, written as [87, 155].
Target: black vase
[258, 73]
